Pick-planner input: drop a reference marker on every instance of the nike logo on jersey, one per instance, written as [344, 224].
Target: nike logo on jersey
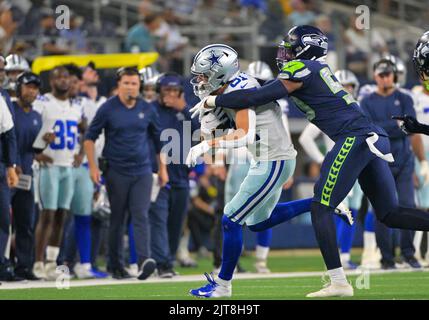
[244, 85]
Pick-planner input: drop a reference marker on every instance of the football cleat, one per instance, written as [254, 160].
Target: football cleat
[344, 213]
[39, 270]
[261, 267]
[349, 265]
[333, 290]
[212, 289]
[83, 271]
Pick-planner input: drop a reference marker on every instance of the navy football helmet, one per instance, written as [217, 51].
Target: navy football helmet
[302, 42]
[421, 56]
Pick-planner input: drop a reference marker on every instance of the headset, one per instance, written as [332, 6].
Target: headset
[391, 64]
[168, 74]
[121, 71]
[26, 78]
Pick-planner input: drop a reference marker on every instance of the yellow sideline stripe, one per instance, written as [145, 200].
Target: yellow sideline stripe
[102, 61]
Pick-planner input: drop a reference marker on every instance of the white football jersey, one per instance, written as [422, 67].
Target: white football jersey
[64, 116]
[422, 110]
[272, 141]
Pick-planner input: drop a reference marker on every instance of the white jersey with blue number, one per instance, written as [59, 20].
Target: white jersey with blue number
[65, 117]
[272, 141]
[422, 111]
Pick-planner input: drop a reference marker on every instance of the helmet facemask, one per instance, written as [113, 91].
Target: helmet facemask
[202, 85]
[284, 54]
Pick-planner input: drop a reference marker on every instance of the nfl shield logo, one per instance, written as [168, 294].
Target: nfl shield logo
[141, 115]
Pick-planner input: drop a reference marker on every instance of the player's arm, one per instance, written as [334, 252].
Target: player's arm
[307, 139]
[8, 139]
[244, 135]
[97, 125]
[277, 89]
[82, 126]
[411, 125]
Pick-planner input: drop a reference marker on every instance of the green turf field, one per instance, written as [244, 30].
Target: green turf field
[400, 285]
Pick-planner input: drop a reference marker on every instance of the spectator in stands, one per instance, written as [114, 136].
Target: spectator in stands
[30, 24]
[8, 28]
[49, 34]
[75, 36]
[360, 51]
[301, 13]
[210, 12]
[323, 22]
[170, 43]
[141, 38]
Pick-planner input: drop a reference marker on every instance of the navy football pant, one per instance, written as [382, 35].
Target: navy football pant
[351, 159]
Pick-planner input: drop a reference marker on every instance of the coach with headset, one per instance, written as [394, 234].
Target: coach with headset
[174, 116]
[128, 123]
[27, 126]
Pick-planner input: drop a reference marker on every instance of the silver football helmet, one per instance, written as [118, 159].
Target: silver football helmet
[213, 66]
[148, 75]
[260, 70]
[346, 77]
[15, 65]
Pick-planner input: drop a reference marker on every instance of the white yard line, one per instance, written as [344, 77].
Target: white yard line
[187, 278]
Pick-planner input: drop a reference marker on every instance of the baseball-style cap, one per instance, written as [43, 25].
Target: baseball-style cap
[384, 67]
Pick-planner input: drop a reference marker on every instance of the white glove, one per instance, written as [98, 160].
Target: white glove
[424, 171]
[196, 152]
[212, 120]
[199, 108]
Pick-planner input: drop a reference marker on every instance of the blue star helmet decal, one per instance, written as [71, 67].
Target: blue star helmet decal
[214, 59]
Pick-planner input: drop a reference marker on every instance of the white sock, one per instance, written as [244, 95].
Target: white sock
[369, 242]
[345, 257]
[337, 276]
[262, 252]
[224, 283]
[52, 253]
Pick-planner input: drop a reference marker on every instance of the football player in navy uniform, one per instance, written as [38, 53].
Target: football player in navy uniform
[361, 150]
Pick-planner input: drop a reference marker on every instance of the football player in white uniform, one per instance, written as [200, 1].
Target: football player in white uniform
[56, 185]
[261, 130]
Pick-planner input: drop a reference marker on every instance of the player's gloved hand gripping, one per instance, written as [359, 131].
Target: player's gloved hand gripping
[243, 136]
[411, 125]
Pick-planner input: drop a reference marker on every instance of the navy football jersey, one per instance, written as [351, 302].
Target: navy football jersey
[325, 101]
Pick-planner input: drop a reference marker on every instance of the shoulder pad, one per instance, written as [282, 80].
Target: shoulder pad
[294, 69]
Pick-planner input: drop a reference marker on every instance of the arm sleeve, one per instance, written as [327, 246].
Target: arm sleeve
[98, 123]
[241, 99]
[307, 139]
